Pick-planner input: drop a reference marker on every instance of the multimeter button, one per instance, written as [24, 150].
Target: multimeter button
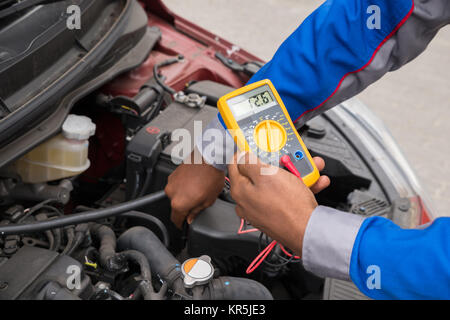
[270, 136]
[298, 155]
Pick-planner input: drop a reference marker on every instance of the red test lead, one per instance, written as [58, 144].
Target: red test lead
[287, 163]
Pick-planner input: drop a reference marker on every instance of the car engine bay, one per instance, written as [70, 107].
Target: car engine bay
[114, 147]
[136, 168]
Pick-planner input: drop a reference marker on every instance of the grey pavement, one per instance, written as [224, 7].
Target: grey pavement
[414, 101]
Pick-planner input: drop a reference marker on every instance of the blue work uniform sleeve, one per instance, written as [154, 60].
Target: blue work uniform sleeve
[340, 49]
[383, 260]
[389, 262]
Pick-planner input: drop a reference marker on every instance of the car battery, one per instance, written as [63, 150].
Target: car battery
[149, 153]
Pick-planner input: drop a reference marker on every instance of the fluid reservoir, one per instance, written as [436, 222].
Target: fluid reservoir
[64, 155]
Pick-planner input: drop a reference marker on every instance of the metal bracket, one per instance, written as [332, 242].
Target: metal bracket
[192, 100]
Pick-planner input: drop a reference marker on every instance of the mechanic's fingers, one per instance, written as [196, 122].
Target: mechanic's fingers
[322, 183]
[233, 171]
[249, 165]
[194, 213]
[178, 217]
[320, 163]
[235, 176]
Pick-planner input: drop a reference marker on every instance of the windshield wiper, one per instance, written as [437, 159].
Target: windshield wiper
[21, 5]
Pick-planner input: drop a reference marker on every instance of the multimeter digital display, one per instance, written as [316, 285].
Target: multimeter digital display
[259, 122]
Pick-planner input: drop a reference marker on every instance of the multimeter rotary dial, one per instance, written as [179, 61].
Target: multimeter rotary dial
[270, 136]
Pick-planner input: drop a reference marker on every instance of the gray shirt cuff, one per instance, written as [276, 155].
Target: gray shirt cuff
[216, 145]
[328, 242]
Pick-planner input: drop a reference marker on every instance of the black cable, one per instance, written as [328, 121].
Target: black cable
[53, 209]
[154, 111]
[36, 208]
[70, 235]
[82, 217]
[163, 64]
[143, 216]
[137, 183]
[275, 252]
[290, 259]
[273, 265]
[51, 240]
[153, 220]
[76, 243]
[58, 240]
[80, 233]
[49, 234]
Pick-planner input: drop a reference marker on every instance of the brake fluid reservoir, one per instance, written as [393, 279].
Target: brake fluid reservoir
[64, 155]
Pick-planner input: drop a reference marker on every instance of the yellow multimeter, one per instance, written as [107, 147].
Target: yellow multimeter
[259, 122]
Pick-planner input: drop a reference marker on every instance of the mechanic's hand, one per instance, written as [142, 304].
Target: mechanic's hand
[279, 204]
[193, 188]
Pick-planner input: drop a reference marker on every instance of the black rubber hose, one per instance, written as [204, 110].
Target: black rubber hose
[107, 249]
[143, 240]
[140, 259]
[86, 216]
[70, 235]
[168, 267]
[48, 233]
[58, 240]
[145, 285]
[160, 259]
[80, 233]
[51, 240]
[137, 183]
[152, 219]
